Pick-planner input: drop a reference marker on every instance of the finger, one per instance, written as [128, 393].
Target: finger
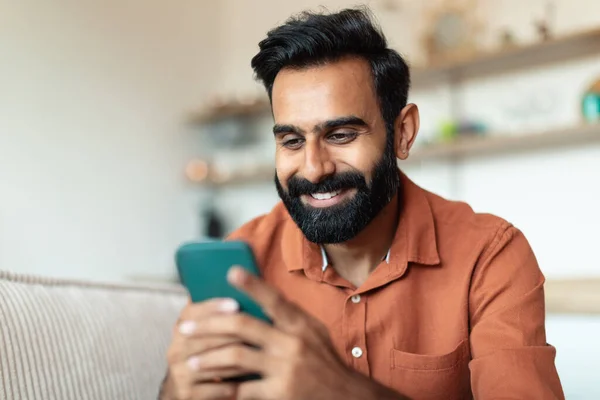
[242, 326]
[287, 316]
[194, 312]
[274, 305]
[236, 356]
[258, 389]
[212, 391]
[219, 375]
[194, 346]
[182, 382]
[182, 348]
[188, 373]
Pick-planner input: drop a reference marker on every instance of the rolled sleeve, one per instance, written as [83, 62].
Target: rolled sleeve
[510, 356]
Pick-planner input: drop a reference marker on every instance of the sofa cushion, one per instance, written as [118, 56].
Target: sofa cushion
[68, 340]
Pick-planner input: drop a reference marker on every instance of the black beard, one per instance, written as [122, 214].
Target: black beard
[342, 222]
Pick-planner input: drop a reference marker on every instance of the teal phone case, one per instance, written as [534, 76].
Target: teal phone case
[203, 268]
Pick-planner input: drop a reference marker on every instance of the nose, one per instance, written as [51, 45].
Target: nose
[317, 163]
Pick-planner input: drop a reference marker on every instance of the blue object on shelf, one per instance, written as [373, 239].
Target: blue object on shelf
[590, 106]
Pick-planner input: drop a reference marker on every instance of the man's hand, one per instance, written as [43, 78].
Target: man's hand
[295, 356]
[184, 382]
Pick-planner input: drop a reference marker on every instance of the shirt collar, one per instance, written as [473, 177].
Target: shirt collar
[415, 239]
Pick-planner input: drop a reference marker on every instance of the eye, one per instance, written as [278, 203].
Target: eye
[292, 143]
[341, 137]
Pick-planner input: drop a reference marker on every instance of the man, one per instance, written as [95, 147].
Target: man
[377, 288]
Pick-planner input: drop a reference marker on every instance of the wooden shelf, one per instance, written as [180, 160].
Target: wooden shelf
[559, 49]
[259, 174]
[479, 146]
[573, 296]
[230, 110]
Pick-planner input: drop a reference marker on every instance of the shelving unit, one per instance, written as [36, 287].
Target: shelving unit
[580, 44]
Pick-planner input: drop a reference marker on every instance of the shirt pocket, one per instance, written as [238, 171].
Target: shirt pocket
[432, 377]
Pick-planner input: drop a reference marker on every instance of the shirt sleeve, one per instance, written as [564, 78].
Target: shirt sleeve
[510, 356]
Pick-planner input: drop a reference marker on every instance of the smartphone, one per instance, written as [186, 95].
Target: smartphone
[203, 267]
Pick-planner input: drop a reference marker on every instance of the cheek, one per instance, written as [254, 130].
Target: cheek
[286, 168]
[361, 157]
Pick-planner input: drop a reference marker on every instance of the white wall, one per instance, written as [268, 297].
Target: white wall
[576, 340]
[93, 95]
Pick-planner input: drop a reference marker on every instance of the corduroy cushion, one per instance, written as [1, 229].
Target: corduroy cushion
[65, 340]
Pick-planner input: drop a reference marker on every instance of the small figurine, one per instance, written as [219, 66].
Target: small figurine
[543, 26]
[507, 38]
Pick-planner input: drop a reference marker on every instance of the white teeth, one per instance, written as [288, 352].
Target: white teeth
[325, 196]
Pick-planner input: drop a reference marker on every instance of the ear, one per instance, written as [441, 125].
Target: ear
[406, 128]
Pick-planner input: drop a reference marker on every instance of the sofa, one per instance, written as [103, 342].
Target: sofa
[70, 340]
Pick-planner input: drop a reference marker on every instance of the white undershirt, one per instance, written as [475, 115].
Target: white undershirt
[326, 261]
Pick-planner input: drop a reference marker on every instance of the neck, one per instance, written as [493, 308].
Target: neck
[355, 259]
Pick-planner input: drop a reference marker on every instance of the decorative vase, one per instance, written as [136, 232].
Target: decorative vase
[591, 103]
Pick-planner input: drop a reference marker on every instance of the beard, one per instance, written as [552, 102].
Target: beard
[342, 222]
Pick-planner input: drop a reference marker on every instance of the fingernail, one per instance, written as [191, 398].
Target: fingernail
[236, 275]
[194, 363]
[187, 328]
[228, 305]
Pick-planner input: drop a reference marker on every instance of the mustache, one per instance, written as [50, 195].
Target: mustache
[345, 180]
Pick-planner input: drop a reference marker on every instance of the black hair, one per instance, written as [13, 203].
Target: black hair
[311, 39]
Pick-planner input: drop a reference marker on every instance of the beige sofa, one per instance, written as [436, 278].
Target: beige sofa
[67, 340]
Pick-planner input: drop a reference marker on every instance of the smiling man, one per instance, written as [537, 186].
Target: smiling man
[378, 289]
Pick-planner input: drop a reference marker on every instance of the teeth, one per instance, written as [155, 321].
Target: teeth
[325, 196]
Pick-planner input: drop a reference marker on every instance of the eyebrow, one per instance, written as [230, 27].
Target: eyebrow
[278, 129]
[341, 121]
[329, 124]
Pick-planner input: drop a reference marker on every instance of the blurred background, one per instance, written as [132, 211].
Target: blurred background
[128, 127]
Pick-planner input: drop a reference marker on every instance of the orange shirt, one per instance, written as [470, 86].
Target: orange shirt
[455, 311]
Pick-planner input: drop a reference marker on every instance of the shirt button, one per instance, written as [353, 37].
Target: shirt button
[357, 352]
[356, 298]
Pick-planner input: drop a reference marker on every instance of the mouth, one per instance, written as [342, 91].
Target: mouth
[326, 199]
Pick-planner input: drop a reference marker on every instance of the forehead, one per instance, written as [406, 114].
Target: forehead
[318, 93]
